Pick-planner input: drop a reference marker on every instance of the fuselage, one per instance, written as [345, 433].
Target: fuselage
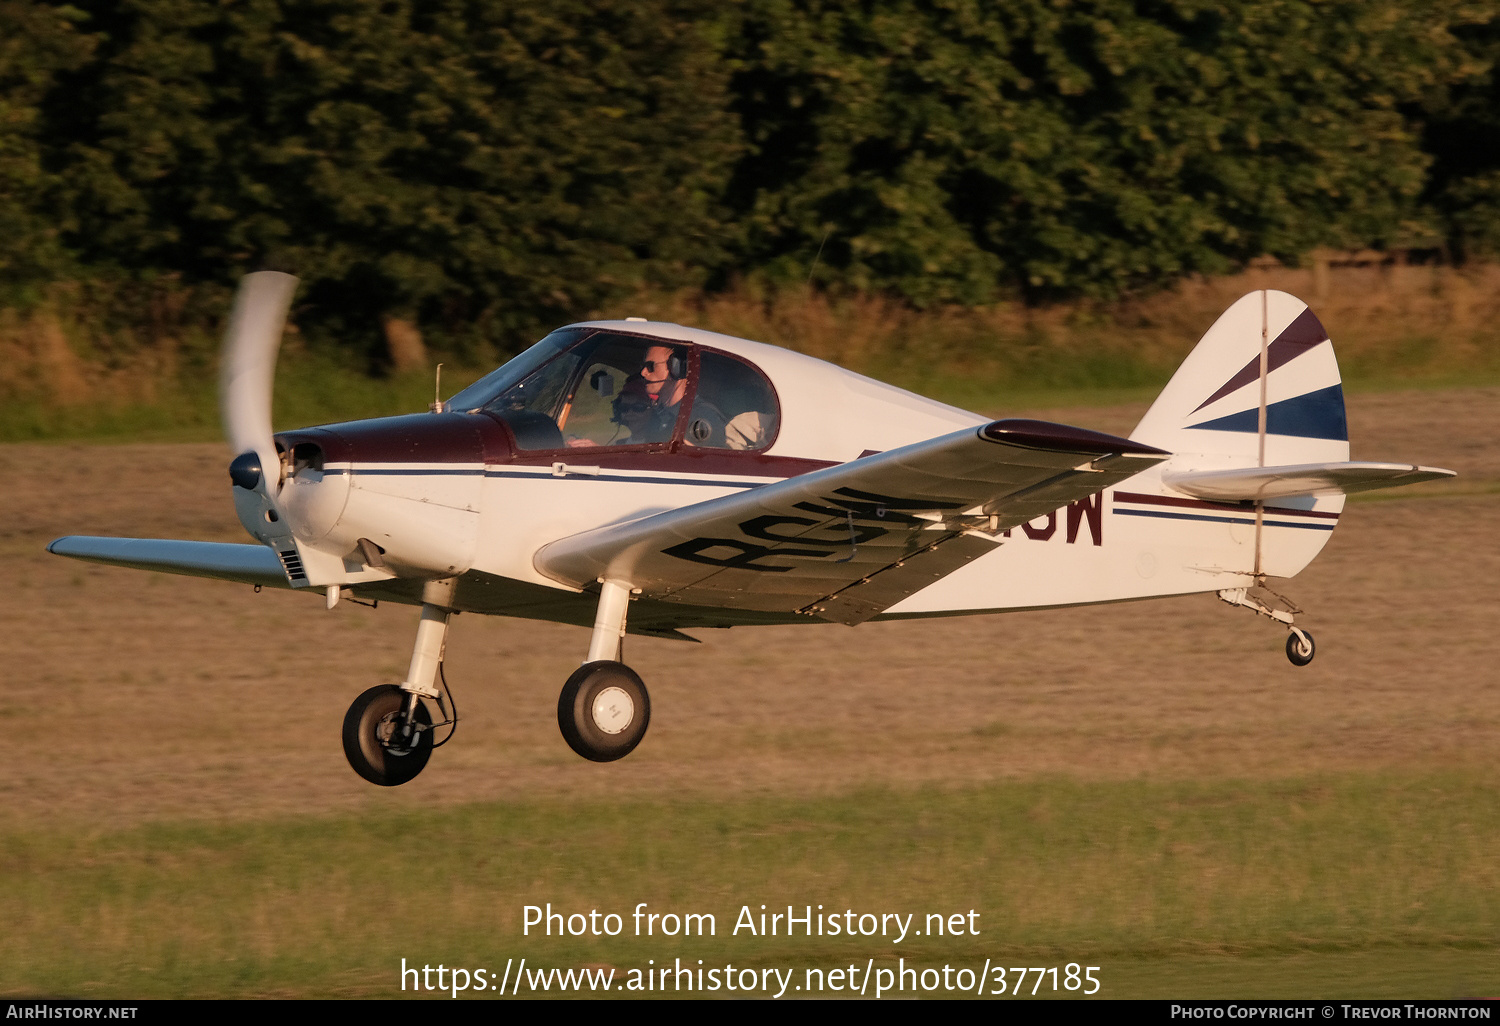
[546, 450]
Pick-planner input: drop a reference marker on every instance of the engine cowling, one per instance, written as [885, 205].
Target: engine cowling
[412, 485]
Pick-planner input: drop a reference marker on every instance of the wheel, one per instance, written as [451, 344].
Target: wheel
[1298, 651]
[370, 743]
[603, 711]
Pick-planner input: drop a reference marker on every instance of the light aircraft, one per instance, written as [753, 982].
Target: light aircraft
[647, 478]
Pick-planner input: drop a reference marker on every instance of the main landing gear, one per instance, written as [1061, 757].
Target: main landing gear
[604, 710]
[1300, 647]
[388, 730]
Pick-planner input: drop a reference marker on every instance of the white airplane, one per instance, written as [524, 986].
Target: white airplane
[648, 478]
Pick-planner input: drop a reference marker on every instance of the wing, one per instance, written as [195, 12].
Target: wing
[847, 542]
[1246, 484]
[247, 564]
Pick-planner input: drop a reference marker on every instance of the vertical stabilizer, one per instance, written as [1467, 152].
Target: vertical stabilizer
[1262, 388]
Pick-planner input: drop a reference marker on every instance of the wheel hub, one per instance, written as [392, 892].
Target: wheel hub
[388, 733]
[613, 710]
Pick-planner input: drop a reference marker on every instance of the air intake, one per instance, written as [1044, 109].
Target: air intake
[292, 564]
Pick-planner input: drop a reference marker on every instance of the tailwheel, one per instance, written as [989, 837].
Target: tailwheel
[1300, 648]
[387, 735]
[603, 710]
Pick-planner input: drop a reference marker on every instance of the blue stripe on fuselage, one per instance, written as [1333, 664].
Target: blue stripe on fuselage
[1218, 520]
[547, 475]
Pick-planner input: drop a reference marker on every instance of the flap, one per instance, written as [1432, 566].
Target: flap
[847, 542]
[1247, 484]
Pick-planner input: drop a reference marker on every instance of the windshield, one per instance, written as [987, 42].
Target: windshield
[487, 388]
[583, 388]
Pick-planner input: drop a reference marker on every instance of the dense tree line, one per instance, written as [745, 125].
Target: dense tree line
[486, 166]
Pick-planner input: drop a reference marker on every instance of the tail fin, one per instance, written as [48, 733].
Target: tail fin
[1255, 421]
[1262, 388]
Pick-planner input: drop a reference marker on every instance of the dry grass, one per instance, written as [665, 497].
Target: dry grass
[1150, 787]
[67, 371]
[1386, 320]
[157, 697]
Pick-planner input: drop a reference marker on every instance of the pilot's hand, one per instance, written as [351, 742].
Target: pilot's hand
[574, 442]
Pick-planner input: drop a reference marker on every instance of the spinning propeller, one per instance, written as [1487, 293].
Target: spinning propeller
[247, 370]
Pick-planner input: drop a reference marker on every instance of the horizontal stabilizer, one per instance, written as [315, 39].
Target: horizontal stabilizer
[1247, 484]
[245, 564]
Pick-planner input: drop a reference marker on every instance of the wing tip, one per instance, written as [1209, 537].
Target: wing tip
[1042, 434]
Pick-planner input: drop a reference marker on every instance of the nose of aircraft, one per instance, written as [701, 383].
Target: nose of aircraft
[313, 495]
[409, 484]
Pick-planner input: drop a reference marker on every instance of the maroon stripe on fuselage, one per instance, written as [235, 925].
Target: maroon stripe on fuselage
[476, 438]
[1233, 507]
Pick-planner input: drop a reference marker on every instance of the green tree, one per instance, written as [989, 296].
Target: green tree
[1462, 134]
[482, 167]
[949, 149]
[37, 44]
[485, 168]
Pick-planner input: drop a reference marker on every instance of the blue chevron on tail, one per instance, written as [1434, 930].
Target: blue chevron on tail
[1268, 361]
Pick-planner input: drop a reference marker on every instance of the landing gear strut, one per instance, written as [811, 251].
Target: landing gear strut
[388, 730]
[1300, 648]
[604, 710]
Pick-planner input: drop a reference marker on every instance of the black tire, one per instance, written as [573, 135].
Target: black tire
[1299, 654]
[367, 730]
[603, 711]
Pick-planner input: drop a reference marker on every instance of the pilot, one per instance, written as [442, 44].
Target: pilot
[664, 376]
[664, 373]
[647, 404]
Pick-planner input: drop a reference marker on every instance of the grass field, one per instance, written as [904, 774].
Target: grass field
[1148, 787]
[1166, 886]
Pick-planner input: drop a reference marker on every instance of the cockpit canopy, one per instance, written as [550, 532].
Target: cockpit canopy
[593, 388]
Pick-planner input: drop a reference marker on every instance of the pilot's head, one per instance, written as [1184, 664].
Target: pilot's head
[662, 370]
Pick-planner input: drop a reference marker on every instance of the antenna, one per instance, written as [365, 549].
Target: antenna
[819, 256]
[438, 406]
